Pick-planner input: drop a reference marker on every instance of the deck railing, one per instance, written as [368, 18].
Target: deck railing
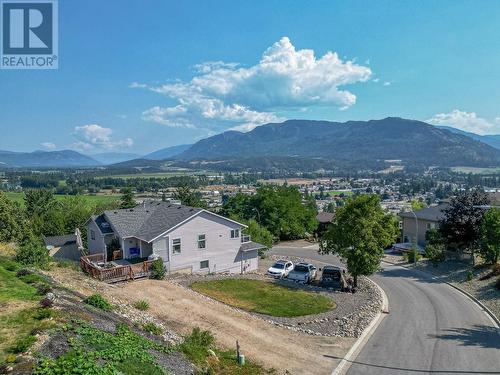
[90, 265]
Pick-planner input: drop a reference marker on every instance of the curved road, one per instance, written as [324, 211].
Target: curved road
[431, 327]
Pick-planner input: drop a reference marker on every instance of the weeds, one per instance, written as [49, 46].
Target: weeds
[98, 301]
[141, 305]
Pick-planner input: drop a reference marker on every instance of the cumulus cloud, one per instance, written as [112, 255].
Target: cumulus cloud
[95, 136]
[467, 121]
[48, 145]
[223, 95]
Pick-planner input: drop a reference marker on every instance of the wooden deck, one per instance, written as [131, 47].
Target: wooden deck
[89, 264]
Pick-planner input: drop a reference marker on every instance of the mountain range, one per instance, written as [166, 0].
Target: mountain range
[352, 142]
[363, 144]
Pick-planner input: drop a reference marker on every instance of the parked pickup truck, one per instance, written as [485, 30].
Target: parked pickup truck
[333, 277]
[303, 272]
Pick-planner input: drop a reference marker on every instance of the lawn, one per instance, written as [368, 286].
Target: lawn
[334, 193]
[265, 297]
[19, 197]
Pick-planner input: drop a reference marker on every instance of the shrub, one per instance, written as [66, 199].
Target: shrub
[23, 272]
[410, 256]
[157, 269]
[10, 358]
[435, 253]
[98, 301]
[152, 328]
[141, 305]
[22, 344]
[196, 345]
[43, 313]
[10, 265]
[470, 275]
[31, 252]
[46, 303]
[42, 289]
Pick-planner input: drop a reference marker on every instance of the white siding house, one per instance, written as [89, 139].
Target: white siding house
[187, 239]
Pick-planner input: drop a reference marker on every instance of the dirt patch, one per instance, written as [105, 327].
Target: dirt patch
[181, 309]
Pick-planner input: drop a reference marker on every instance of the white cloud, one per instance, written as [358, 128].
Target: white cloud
[467, 121]
[387, 83]
[48, 145]
[222, 95]
[95, 136]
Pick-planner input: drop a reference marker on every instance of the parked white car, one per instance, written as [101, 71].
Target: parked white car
[280, 269]
[303, 272]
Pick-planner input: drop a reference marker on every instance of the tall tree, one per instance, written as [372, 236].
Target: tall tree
[360, 232]
[189, 196]
[127, 198]
[490, 236]
[11, 219]
[461, 226]
[38, 201]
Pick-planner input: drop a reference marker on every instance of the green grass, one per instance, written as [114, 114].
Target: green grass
[19, 197]
[334, 193]
[265, 297]
[13, 288]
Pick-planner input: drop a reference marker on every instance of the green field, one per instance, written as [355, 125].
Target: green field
[155, 175]
[475, 170]
[265, 297]
[334, 193]
[19, 197]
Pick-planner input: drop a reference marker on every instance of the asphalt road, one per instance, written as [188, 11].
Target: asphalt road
[431, 328]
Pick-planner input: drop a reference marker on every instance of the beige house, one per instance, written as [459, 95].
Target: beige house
[417, 223]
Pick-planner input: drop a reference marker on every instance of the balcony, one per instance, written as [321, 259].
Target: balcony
[245, 238]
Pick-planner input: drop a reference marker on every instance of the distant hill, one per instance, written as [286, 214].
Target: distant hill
[354, 142]
[492, 140]
[45, 159]
[166, 153]
[114, 157]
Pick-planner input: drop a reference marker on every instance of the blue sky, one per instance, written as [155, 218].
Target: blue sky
[135, 76]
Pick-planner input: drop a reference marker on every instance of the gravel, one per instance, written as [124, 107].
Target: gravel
[353, 313]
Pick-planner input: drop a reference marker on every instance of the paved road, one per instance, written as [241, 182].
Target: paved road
[431, 328]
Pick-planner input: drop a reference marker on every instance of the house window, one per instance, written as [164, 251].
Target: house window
[202, 242]
[176, 246]
[235, 233]
[203, 264]
[92, 235]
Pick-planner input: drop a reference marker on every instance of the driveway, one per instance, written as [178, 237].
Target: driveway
[431, 328]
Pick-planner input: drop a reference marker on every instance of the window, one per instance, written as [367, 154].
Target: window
[235, 233]
[203, 264]
[92, 235]
[202, 242]
[176, 246]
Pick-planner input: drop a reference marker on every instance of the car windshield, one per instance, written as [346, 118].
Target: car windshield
[279, 266]
[301, 269]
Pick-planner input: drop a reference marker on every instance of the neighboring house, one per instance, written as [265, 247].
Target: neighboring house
[427, 218]
[64, 246]
[324, 220]
[188, 239]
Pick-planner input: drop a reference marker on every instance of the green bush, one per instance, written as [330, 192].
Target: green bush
[42, 313]
[31, 252]
[158, 269]
[435, 253]
[470, 275]
[196, 345]
[152, 328]
[10, 265]
[141, 305]
[22, 344]
[98, 301]
[23, 272]
[410, 256]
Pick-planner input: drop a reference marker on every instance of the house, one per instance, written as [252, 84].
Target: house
[324, 220]
[64, 247]
[188, 239]
[425, 219]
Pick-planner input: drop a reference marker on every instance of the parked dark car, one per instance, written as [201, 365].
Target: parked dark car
[334, 277]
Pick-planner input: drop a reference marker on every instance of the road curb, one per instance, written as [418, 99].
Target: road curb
[487, 311]
[351, 355]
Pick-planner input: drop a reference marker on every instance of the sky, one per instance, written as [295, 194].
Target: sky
[138, 76]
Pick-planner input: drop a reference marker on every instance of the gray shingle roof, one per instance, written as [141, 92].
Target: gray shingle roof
[430, 213]
[149, 220]
[325, 217]
[249, 246]
[58, 241]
